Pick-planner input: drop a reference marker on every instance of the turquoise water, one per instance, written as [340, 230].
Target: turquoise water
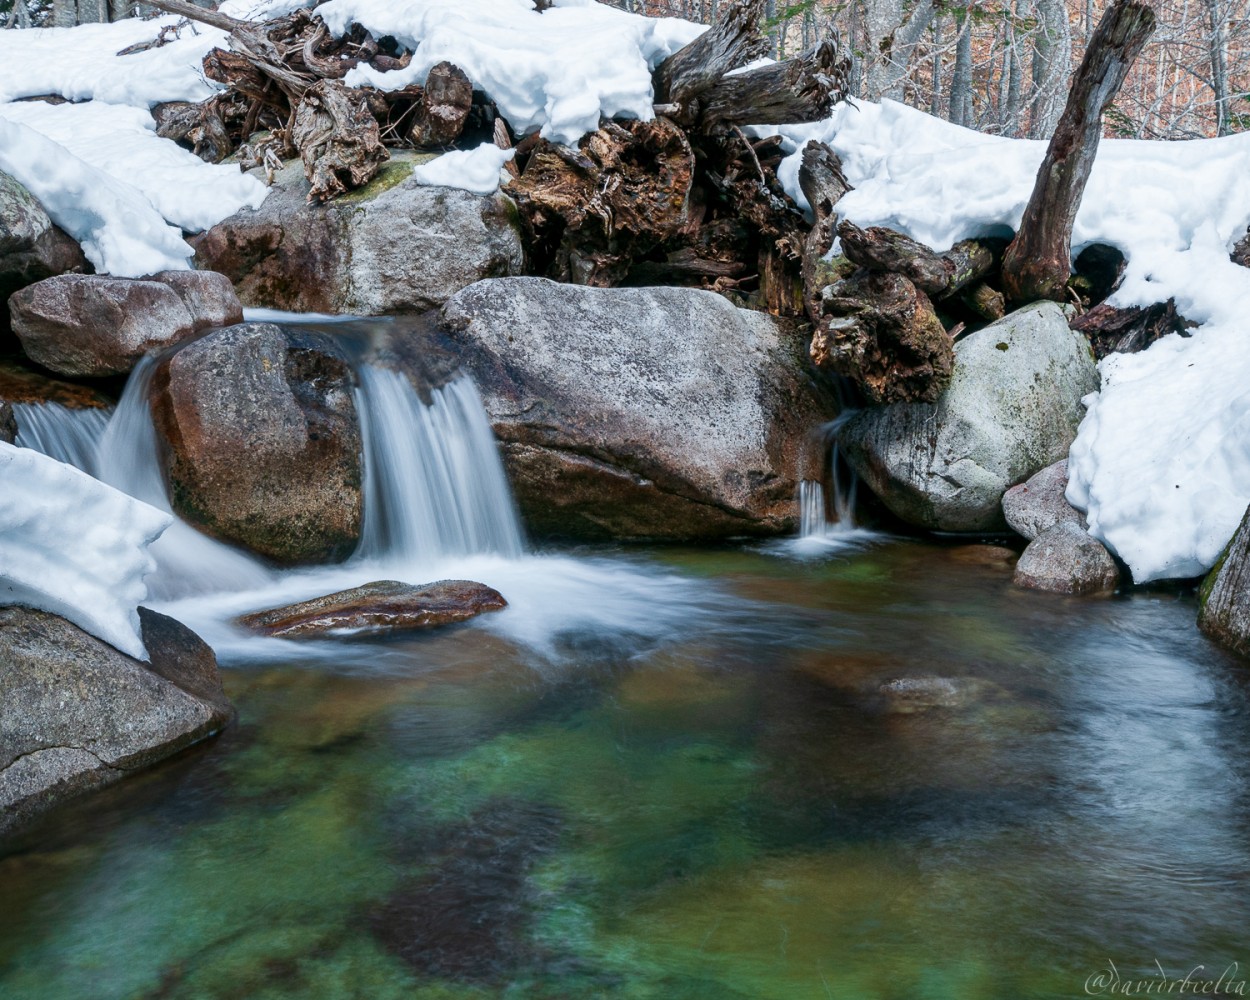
[883, 773]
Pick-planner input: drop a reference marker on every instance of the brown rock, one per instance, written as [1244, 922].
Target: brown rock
[880, 331]
[78, 324]
[1066, 559]
[262, 441]
[8, 425]
[19, 384]
[78, 714]
[384, 607]
[1040, 503]
[208, 296]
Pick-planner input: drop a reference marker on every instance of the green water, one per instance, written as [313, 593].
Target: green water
[750, 808]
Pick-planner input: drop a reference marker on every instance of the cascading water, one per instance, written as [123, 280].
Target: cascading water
[434, 484]
[70, 436]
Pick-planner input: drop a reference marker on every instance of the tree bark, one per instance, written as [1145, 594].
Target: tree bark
[1038, 261]
[733, 41]
[935, 274]
[802, 89]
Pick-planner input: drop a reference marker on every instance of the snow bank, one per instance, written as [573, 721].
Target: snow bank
[1162, 460]
[476, 170]
[82, 63]
[75, 547]
[122, 142]
[557, 71]
[120, 232]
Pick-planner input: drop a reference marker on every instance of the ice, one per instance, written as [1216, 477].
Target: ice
[555, 71]
[476, 170]
[1161, 462]
[75, 547]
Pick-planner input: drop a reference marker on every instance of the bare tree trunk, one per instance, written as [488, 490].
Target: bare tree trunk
[1039, 260]
[1052, 62]
[935, 98]
[961, 80]
[1218, 42]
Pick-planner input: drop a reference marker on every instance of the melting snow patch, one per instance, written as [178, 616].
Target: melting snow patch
[476, 170]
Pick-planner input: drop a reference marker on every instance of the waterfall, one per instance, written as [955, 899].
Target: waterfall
[434, 484]
[814, 521]
[69, 436]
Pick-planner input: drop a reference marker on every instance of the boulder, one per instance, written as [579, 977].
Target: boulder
[393, 246]
[208, 296]
[1012, 408]
[31, 247]
[22, 218]
[79, 324]
[1040, 503]
[8, 425]
[632, 413]
[20, 384]
[78, 714]
[1066, 559]
[261, 441]
[1224, 598]
[378, 608]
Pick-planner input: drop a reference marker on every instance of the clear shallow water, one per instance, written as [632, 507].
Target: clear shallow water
[754, 798]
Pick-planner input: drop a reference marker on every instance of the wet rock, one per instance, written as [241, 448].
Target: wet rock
[1066, 559]
[383, 607]
[19, 384]
[1012, 408]
[1040, 503]
[262, 443]
[909, 695]
[78, 324]
[635, 413]
[994, 556]
[392, 246]
[1224, 599]
[78, 714]
[8, 425]
[208, 296]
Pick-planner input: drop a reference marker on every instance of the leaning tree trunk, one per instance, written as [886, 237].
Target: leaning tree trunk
[1038, 262]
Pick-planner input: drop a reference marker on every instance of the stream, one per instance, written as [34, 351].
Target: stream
[853, 766]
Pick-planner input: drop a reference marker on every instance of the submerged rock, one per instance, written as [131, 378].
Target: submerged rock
[261, 441]
[1039, 504]
[393, 246]
[1066, 559]
[78, 714]
[80, 324]
[1012, 408]
[384, 607]
[632, 413]
[1224, 600]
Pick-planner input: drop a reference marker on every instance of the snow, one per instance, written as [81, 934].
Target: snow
[1161, 462]
[557, 71]
[98, 167]
[75, 547]
[38, 61]
[476, 170]
[120, 232]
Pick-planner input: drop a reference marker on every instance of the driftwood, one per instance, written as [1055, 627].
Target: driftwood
[200, 128]
[337, 138]
[1037, 263]
[1113, 329]
[935, 274]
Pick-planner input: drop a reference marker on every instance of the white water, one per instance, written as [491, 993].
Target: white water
[437, 506]
[819, 533]
[70, 436]
[435, 487]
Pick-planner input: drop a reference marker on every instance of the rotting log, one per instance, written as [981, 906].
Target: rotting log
[1037, 264]
[802, 89]
[337, 138]
[823, 184]
[1241, 251]
[444, 107]
[1124, 330]
[936, 274]
[732, 42]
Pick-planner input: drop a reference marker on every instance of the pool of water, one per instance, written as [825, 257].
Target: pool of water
[876, 771]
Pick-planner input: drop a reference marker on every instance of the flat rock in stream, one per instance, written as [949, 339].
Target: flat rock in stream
[383, 607]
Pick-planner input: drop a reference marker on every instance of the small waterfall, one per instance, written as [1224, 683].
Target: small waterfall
[815, 522]
[69, 436]
[434, 484]
[127, 458]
